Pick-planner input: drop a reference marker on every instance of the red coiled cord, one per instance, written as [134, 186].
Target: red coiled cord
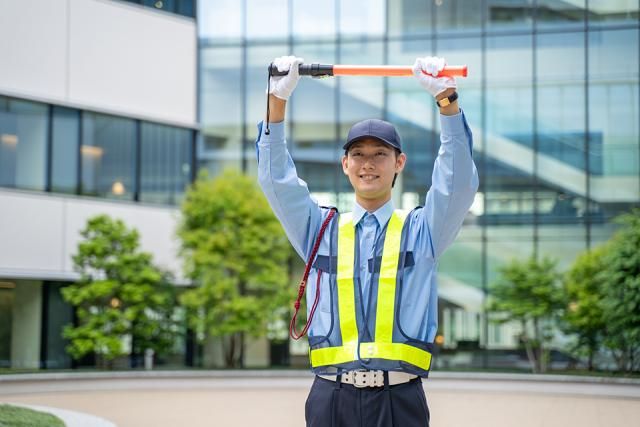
[303, 284]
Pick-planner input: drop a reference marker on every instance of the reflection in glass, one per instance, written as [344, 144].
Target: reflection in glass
[410, 108]
[562, 141]
[165, 163]
[509, 14]
[314, 145]
[613, 121]
[23, 147]
[508, 172]
[255, 75]
[221, 108]
[267, 19]
[365, 17]
[458, 16]
[607, 11]
[316, 23]
[59, 314]
[7, 303]
[220, 19]
[563, 15]
[65, 146]
[108, 156]
[410, 17]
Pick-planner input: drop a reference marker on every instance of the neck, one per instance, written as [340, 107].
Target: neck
[372, 205]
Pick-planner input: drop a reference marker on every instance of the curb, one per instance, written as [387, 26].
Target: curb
[265, 374]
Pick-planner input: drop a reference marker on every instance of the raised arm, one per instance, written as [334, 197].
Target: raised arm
[455, 178]
[287, 194]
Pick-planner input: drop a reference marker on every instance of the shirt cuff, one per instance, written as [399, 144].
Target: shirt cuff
[452, 125]
[276, 133]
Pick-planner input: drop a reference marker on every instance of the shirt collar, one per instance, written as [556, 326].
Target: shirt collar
[382, 214]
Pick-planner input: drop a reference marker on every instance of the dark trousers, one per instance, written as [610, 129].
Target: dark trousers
[332, 404]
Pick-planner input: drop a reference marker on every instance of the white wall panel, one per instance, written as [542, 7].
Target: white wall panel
[33, 47]
[100, 55]
[130, 59]
[40, 232]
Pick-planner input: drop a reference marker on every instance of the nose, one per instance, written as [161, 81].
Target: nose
[369, 162]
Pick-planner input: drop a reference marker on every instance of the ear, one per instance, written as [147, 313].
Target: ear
[345, 164]
[400, 162]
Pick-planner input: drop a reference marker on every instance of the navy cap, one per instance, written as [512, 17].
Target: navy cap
[374, 128]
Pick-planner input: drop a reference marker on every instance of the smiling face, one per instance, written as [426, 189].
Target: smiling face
[371, 165]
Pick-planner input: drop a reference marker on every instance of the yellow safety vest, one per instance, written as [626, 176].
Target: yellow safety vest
[382, 347]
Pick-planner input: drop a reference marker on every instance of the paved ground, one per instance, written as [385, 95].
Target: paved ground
[208, 400]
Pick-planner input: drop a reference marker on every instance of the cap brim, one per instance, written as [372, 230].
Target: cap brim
[360, 138]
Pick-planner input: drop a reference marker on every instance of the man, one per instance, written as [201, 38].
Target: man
[371, 337]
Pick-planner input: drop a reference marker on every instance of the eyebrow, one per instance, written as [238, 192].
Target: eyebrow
[378, 144]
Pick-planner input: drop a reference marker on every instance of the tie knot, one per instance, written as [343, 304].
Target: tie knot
[370, 218]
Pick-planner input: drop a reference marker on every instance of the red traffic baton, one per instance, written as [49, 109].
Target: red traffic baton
[326, 70]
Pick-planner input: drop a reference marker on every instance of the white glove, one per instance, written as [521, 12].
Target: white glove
[283, 86]
[432, 65]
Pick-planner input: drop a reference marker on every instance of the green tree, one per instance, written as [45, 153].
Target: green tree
[120, 295]
[529, 293]
[583, 315]
[621, 288]
[235, 251]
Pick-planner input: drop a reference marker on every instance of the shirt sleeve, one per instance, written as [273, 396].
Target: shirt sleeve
[287, 194]
[453, 184]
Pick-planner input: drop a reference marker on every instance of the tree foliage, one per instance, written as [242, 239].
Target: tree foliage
[120, 295]
[583, 314]
[528, 292]
[235, 251]
[620, 279]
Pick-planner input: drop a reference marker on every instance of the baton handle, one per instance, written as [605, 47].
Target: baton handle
[323, 70]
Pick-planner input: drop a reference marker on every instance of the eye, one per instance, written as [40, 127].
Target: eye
[355, 154]
[381, 153]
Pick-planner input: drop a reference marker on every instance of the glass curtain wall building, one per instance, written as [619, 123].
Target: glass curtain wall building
[552, 97]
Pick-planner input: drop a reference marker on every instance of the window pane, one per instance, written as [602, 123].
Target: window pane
[165, 164]
[23, 144]
[366, 17]
[614, 109]
[509, 243]
[64, 163]
[108, 156]
[220, 19]
[508, 168]
[59, 314]
[267, 19]
[509, 14]
[411, 109]
[613, 12]
[313, 22]
[186, 7]
[458, 16]
[255, 75]
[409, 17]
[7, 307]
[562, 139]
[221, 108]
[562, 15]
[315, 147]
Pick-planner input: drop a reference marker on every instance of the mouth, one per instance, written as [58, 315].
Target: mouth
[368, 177]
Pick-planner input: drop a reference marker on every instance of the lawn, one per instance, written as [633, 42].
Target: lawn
[13, 416]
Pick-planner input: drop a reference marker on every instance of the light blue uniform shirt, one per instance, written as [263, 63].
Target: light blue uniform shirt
[454, 184]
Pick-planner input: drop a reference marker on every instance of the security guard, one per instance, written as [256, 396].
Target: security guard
[375, 267]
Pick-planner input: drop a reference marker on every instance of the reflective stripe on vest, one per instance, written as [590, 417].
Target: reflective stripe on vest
[383, 347]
